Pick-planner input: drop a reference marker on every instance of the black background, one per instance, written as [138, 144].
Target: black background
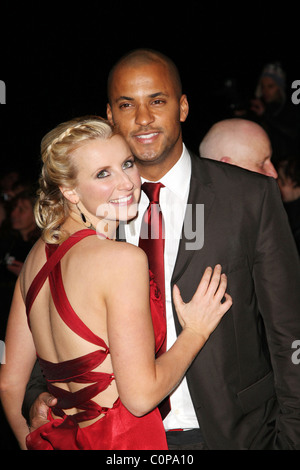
[55, 57]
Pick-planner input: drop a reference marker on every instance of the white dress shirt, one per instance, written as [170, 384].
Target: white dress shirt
[173, 200]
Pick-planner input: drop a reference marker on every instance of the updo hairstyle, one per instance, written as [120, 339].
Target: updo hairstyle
[51, 209]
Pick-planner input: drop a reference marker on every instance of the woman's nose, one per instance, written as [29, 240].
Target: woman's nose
[125, 182]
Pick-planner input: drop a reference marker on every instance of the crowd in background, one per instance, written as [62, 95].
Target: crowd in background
[18, 233]
[274, 110]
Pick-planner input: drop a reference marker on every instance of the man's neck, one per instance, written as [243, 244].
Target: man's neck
[152, 173]
[155, 171]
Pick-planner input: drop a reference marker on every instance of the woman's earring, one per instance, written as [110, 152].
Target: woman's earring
[83, 218]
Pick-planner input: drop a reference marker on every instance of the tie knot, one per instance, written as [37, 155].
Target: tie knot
[152, 191]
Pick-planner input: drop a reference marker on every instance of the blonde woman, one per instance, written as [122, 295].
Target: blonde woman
[94, 319]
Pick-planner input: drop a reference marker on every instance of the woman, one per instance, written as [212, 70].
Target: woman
[26, 231]
[17, 236]
[89, 183]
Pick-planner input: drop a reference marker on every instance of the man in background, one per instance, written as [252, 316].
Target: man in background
[239, 142]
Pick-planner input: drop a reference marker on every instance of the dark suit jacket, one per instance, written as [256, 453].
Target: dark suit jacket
[244, 386]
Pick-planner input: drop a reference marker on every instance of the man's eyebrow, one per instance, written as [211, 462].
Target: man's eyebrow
[153, 95]
[126, 98]
[159, 93]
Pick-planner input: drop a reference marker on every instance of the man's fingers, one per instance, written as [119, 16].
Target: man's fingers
[37, 423]
[51, 401]
[39, 411]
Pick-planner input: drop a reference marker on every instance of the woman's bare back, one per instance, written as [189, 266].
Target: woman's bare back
[82, 268]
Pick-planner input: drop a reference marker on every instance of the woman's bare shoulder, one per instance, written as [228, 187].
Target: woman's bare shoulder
[114, 256]
[115, 250]
[33, 263]
[36, 256]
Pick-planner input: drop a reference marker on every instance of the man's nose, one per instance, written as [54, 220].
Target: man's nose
[144, 116]
[270, 170]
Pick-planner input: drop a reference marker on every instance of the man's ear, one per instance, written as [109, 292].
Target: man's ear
[184, 108]
[109, 114]
[70, 194]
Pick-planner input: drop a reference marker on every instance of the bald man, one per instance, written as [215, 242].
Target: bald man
[239, 142]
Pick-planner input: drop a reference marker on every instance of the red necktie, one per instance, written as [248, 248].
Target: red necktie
[152, 235]
[152, 241]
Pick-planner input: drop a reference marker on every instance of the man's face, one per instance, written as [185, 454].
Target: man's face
[145, 106]
[257, 157]
[270, 90]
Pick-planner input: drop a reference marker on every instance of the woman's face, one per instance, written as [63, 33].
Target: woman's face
[108, 182]
[22, 216]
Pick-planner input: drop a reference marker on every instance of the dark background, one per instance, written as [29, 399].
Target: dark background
[55, 57]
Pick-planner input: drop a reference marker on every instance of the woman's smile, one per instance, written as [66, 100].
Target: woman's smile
[123, 201]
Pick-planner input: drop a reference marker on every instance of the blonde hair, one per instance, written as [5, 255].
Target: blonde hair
[51, 209]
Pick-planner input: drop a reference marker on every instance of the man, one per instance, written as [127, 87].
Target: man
[243, 390]
[239, 142]
[289, 185]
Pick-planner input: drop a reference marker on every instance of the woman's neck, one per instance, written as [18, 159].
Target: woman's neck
[74, 223]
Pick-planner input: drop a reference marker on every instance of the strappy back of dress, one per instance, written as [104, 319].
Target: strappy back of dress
[80, 369]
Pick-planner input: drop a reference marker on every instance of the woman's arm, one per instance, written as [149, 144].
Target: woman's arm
[143, 381]
[14, 374]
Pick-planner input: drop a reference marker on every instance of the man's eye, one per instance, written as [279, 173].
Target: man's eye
[125, 105]
[102, 174]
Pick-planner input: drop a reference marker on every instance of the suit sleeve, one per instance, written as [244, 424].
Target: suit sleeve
[277, 284]
[35, 387]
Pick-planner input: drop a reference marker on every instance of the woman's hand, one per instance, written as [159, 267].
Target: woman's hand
[204, 312]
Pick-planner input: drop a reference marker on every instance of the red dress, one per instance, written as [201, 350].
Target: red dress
[118, 429]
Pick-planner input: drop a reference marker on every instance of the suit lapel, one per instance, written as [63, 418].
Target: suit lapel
[201, 192]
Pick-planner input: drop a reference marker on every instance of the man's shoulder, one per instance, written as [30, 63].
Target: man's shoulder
[226, 180]
[219, 172]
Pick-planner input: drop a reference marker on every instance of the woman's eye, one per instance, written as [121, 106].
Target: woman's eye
[102, 174]
[128, 164]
